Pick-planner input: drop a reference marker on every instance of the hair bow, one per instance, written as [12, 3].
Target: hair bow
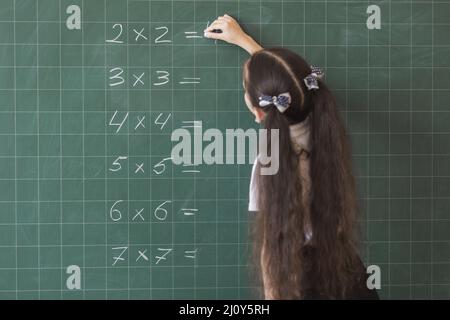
[311, 79]
[282, 101]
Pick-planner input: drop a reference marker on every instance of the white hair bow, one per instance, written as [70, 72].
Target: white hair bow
[282, 101]
[311, 80]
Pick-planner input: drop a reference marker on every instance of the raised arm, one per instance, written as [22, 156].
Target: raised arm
[231, 33]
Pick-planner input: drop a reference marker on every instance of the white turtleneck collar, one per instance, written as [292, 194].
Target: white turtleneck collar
[300, 135]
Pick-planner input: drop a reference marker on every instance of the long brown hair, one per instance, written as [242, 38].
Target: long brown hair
[325, 266]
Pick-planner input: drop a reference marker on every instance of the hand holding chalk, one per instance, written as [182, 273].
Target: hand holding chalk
[228, 29]
[224, 28]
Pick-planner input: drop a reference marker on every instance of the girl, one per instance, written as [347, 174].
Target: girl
[304, 233]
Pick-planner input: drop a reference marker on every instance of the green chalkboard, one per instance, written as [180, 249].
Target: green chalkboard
[86, 114]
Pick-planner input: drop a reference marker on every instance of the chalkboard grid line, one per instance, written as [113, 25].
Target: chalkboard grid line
[367, 207]
[144, 244]
[389, 158]
[223, 111]
[418, 285]
[15, 155]
[60, 158]
[421, 263]
[247, 23]
[228, 90]
[42, 66]
[225, 222]
[131, 289]
[38, 151]
[217, 194]
[106, 164]
[166, 135]
[195, 179]
[314, 1]
[83, 150]
[150, 180]
[128, 151]
[172, 127]
[239, 83]
[290, 45]
[346, 61]
[410, 150]
[432, 146]
[242, 243]
[140, 200]
[71, 133]
[207, 199]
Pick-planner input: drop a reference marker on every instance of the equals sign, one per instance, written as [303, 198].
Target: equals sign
[189, 211]
[190, 253]
[190, 80]
[191, 34]
[192, 124]
[190, 170]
